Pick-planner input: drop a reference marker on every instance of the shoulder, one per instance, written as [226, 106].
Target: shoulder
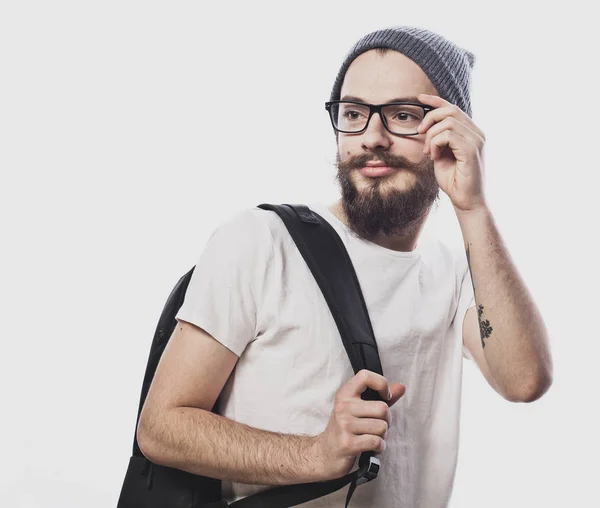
[253, 219]
[245, 223]
[270, 224]
[242, 233]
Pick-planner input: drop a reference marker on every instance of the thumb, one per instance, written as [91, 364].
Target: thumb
[398, 390]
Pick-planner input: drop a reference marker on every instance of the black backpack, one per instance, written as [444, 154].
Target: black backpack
[149, 485]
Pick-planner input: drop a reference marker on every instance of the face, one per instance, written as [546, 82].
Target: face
[397, 202]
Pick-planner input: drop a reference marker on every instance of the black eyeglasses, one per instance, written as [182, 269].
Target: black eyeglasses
[400, 118]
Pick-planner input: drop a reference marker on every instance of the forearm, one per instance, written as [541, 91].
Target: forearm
[208, 444]
[514, 337]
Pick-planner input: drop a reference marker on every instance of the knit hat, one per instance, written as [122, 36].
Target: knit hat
[447, 65]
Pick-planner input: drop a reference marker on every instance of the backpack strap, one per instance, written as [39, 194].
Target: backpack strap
[330, 264]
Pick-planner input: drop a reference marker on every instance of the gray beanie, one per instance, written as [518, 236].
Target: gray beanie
[447, 65]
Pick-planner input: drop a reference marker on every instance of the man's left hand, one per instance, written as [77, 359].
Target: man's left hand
[455, 145]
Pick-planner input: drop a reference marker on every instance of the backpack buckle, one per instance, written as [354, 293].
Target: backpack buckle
[371, 472]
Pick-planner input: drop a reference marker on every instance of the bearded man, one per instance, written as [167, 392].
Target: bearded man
[255, 330]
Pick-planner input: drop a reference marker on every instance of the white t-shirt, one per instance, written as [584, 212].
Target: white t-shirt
[253, 292]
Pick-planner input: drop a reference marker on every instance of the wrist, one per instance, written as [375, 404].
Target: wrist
[317, 465]
[476, 213]
[324, 464]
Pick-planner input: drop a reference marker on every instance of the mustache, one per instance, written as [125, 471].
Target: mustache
[391, 160]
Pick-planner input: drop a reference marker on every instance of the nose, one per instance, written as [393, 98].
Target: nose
[376, 135]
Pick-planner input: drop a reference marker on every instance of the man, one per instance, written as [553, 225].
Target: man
[255, 328]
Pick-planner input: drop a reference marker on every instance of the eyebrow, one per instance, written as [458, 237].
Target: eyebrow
[397, 99]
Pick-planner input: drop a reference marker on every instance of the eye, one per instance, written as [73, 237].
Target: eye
[352, 114]
[403, 115]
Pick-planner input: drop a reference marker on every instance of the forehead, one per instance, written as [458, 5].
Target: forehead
[375, 78]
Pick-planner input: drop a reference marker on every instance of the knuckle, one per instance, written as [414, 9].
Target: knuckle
[376, 443]
[382, 383]
[378, 428]
[339, 398]
[344, 421]
[383, 427]
[344, 406]
[339, 411]
[382, 409]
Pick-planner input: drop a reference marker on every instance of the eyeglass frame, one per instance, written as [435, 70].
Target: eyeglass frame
[376, 108]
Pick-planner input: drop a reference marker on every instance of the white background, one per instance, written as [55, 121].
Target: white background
[129, 130]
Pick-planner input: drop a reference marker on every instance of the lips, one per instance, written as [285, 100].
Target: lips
[374, 170]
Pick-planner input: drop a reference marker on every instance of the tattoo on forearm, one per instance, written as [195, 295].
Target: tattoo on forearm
[485, 329]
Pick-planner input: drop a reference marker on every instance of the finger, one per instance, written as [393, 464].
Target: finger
[454, 125]
[368, 442]
[398, 390]
[367, 379]
[374, 409]
[437, 115]
[459, 146]
[371, 426]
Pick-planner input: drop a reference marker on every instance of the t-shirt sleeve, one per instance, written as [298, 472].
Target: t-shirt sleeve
[466, 297]
[228, 280]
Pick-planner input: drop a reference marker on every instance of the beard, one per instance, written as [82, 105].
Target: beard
[379, 207]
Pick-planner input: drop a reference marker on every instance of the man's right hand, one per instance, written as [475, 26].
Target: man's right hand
[356, 425]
